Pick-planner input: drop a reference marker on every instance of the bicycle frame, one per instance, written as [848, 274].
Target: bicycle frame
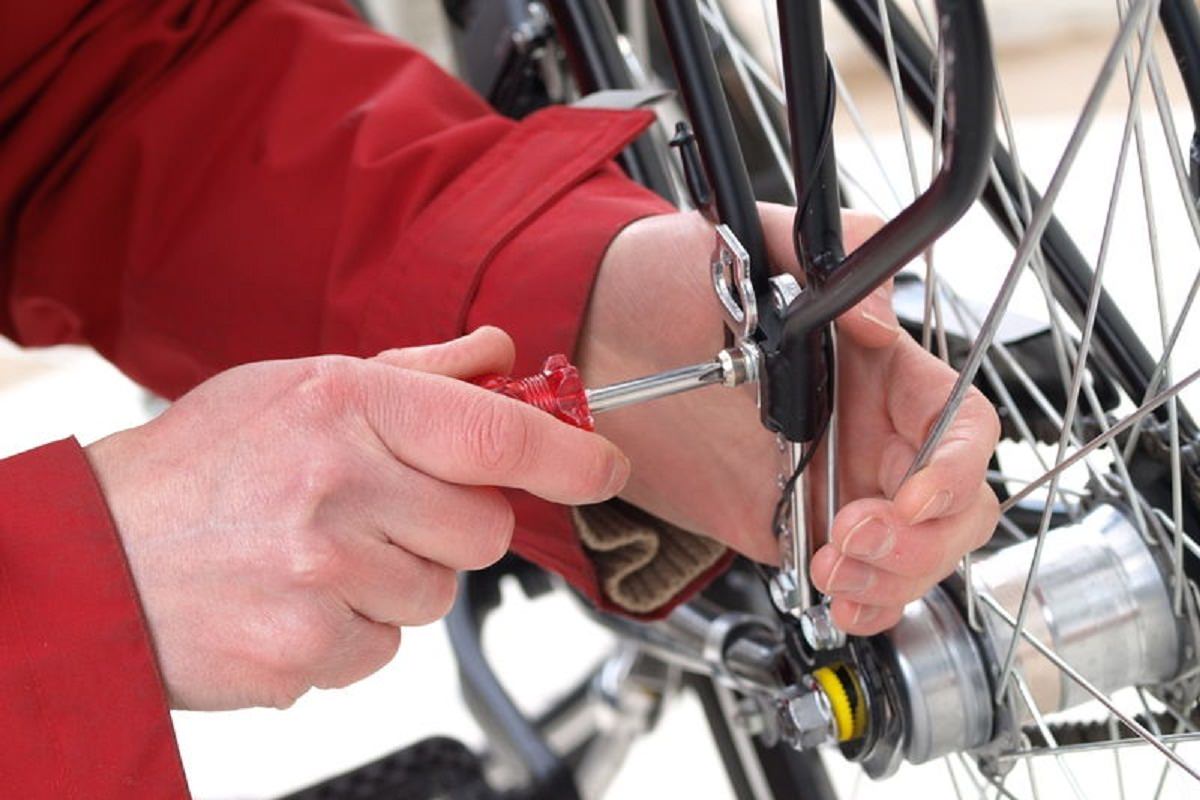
[796, 398]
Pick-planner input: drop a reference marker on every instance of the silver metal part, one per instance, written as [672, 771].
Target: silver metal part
[818, 630]
[810, 717]
[623, 99]
[1098, 591]
[732, 367]
[651, 387]
[794, 543]
[730, 268]
[947, 704]
[784, 289]
[700, 636]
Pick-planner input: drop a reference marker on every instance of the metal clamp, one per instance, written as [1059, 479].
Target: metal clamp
[730, 271]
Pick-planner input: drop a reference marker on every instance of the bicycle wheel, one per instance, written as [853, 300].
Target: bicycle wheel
[1098, 472]
[1094, 563]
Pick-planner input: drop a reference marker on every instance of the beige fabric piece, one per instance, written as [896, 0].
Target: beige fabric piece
[642, 561]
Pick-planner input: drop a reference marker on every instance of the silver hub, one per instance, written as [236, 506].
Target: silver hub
[1100, 600]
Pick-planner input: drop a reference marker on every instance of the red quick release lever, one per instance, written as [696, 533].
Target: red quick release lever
[558, 389]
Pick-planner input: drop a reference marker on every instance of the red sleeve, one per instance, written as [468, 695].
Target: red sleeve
[82, 711]
[191, 185]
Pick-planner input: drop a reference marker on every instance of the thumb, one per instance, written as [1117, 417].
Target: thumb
[483, 351]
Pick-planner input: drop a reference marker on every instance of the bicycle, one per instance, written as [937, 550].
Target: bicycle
[1096, 547]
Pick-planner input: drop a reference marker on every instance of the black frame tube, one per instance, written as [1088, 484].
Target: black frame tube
[1181, 23]
[588, 34]
[808, 83]
[700, 87]
[967, 151]
[798, 394]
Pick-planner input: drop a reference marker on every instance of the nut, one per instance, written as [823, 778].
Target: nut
[816, 625]
[811, 718]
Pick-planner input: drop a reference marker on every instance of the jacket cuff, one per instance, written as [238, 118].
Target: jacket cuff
[645, 564]
[78, 676]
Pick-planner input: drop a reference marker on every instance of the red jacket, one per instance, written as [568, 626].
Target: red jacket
[187, 185]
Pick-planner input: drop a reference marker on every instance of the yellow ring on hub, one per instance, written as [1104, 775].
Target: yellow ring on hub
[839, 701]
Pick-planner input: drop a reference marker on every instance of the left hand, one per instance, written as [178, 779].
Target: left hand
[703, 461]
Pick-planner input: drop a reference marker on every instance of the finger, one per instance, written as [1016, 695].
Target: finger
[872, 323]
[483, 351]
[917, 387]
[460, 527]
[869, 531]
[367, 647]
[385, 584]
[839, 575]
[863, 620]
[460, 433]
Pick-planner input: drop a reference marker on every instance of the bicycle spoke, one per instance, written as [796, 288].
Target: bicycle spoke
[1037, 264]
[1171, 136]
[1168, 741]
[1030, 240]
[1087, 686]
[1040, 721]
[717, 20]
[1130, 421]
[846, 101]
[1113, 735]
[1161, 306]
[766, 84]
[953, 778]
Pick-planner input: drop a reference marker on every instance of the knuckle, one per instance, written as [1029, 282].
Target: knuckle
[594, 473]
[299, 641]
[493, 534]
[438, 590]
[313, 561]
[326, 472]
[497, 436]
[327, 385]
[991, 516]
[284, 694]
[985, 412]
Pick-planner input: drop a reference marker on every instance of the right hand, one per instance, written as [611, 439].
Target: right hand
[285, 518]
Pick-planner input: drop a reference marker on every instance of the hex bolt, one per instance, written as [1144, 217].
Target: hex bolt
[816, 625]
[811, 717]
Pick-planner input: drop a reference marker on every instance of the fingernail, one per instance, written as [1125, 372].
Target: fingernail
[864, 614]
[934, 507]
[871, 539]
[850, 576]
[890, 327]
[620, 475]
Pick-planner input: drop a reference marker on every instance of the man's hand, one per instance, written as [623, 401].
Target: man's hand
[284, 519]
[704, 462]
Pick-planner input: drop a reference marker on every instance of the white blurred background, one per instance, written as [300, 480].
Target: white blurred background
[1048, 53]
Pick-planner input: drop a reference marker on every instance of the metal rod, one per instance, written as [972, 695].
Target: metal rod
[652, 387]
[1092, 746]
[1087, 686]
[1144, 410]
[800, 544]
[1084, 347]
[1029, 241]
